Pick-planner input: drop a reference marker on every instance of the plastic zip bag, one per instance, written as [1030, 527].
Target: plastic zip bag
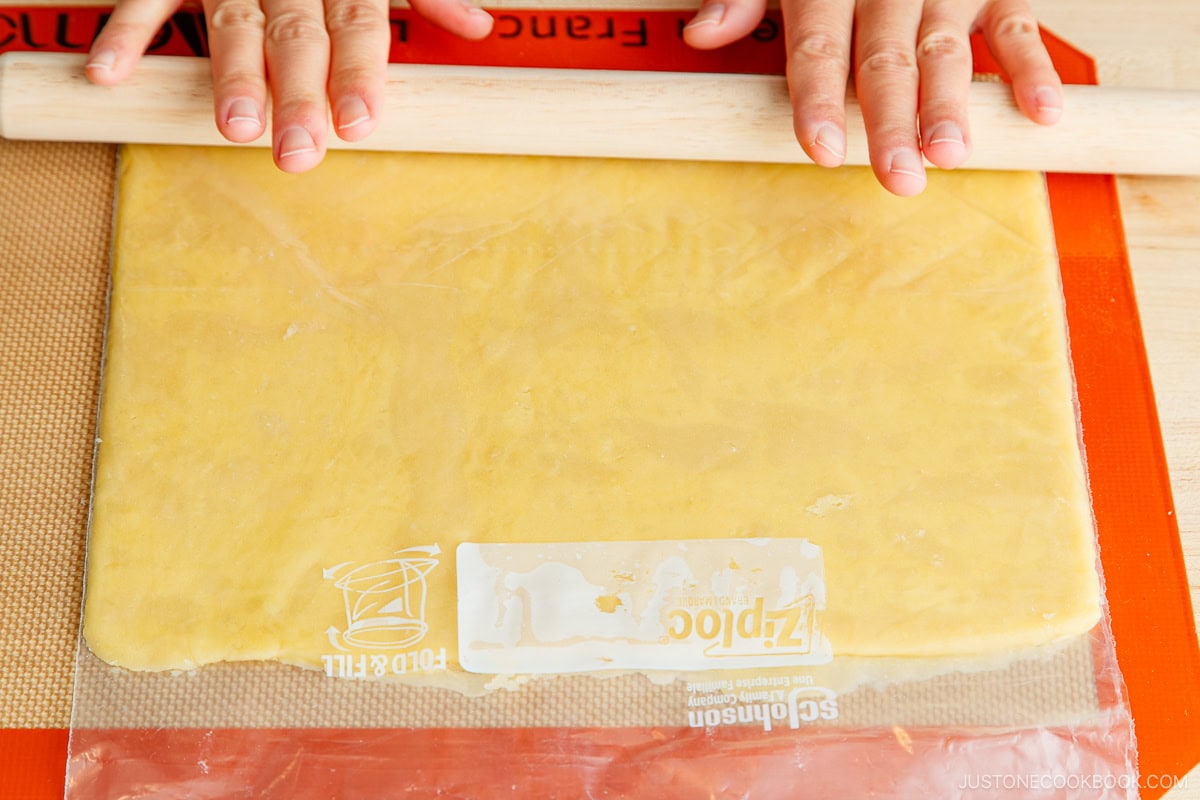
[964, 720]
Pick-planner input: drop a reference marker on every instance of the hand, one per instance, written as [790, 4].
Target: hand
[319, 55]
[912, 67]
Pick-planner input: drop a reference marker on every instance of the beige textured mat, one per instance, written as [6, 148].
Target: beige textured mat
[1041, 690]
[55, 211]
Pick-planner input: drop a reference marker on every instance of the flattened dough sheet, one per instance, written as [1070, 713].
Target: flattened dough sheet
[308, 375]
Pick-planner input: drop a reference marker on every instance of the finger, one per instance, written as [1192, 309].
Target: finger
[818, 67]
[235, 34]
[297, 51]
[1011, 31]
[457, 16]
[719, 22]
[886, 79]
[945, 64]
[359, 39]
[125, 38]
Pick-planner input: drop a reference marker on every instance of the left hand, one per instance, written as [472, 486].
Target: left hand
[313, 57]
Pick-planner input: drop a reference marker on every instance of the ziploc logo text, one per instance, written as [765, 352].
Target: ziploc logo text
[671, 604]
[729, 631]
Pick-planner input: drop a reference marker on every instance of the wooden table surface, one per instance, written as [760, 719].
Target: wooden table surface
[1154, 43]
[1147, 43]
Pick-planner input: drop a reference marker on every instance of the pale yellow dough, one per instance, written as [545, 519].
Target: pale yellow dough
[306, 373]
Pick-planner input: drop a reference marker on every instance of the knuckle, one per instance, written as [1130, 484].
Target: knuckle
[821, 45]
[943, 45]
[1015, 24]
[894, 136]
[355, 16]
[297, 109]
[942, 111]
[234, 16]
[816, 100]
[888, 59]
[355, 79]
[237, 82]
[820, 109]
[295, 28]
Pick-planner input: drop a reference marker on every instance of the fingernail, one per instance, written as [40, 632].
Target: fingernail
[946, 133]
[102, 60]
[243, 111]
[831, 139]
[907, 163]
[296, 141]
[1047, 100]
[351, 113]
[710, 14]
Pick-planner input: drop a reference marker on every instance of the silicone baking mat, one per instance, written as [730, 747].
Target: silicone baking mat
[55, 204]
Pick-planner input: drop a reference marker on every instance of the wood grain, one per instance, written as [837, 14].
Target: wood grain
[596, 113]
[1152, 43]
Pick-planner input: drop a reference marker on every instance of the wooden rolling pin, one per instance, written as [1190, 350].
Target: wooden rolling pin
[601, 113]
